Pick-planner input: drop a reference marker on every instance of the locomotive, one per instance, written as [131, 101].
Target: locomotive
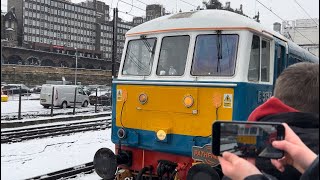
[178, 74]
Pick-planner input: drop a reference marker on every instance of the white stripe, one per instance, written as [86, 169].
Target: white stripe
[176, 83]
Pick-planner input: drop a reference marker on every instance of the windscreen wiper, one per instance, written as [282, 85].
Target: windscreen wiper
[219, 48]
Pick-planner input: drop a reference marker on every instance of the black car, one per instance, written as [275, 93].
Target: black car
[36, 89]
[104, 98]
[15, 89]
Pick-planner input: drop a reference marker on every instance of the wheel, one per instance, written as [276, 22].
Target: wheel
[203, 172]
[46, 106]
[85, 104]
[64, 105]
[91, 104]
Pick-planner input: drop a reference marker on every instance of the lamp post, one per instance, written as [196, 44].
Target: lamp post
[75, 74]
[14, 74]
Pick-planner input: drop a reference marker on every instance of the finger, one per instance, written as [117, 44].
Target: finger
[225, 165]
[277, 164]
[232, 158]
[290, 134]
[285, 146]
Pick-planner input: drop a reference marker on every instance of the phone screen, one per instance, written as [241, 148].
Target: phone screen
[247, 139]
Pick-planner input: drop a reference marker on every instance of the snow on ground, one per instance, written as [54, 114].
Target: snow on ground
[34, 107]
[92, 176]
[26, 106]
[36, 157]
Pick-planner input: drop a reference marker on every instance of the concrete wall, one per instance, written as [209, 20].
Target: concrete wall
[38, 75]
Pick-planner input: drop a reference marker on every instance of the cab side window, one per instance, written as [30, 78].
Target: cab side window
[254, 65]
[259, 66]
[265, 61]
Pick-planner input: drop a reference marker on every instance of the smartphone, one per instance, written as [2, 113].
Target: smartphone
[247, 139]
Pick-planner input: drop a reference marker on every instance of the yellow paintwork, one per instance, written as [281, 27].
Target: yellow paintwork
[4, 98]
[165, 109]
[247, 139]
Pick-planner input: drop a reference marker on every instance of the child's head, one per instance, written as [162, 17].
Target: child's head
[298, 87]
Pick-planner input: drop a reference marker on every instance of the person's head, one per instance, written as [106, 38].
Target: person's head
[298, 87]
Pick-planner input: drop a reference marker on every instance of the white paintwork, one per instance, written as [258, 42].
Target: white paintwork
[202, 19]
[234, 23]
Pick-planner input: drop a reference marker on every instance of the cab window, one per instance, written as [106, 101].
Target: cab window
[265, 60]
[139, 57]
[173, 56]
[254, 65]
[215, 55]
[259, 65]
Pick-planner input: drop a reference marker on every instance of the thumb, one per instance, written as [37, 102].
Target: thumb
[232, 158]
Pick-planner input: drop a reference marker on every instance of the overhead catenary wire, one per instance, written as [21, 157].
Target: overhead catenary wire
[306, 12]
[132, 5]
[284, 20]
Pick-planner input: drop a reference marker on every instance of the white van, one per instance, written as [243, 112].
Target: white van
[63, 96]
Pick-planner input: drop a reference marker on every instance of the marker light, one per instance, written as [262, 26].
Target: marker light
[143, 98]
[188, 101]
[121, 133]
[161, 135]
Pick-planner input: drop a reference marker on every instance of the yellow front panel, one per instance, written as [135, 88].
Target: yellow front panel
[165, 109]
[247, 139]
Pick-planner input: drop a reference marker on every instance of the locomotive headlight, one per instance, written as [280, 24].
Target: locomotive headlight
[121, 133]
[143, 98]
[161, 135]
[188, 101]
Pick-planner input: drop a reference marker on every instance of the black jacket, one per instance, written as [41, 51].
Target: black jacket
[312, 173]
[306, 126]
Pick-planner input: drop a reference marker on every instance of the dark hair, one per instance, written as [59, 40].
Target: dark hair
[298, 87]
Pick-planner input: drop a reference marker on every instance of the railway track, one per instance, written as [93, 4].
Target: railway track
[21, 134]
[67, 173]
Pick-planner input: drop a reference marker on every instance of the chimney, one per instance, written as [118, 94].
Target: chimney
[228, 5]
[277, 27]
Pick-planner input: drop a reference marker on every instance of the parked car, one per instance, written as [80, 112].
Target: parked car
[104, 98]
[36, 89]
[15, 89]
[63, 96]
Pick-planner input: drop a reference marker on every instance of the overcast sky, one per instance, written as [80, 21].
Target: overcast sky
[286, 9]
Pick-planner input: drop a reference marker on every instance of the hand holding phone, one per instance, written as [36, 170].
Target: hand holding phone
[247, 139]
